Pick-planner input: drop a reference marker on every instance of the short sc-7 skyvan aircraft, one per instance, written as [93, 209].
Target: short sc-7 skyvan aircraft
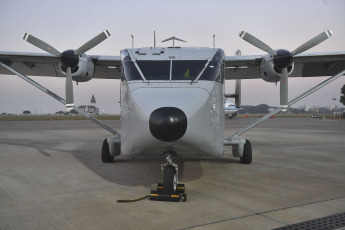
[172, 98]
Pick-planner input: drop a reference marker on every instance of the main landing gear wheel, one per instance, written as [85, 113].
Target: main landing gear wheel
[169, 179]
[247, 153]
[106, 157]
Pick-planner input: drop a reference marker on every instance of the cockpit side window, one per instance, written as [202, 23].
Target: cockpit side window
[129, 70]
[215, 69]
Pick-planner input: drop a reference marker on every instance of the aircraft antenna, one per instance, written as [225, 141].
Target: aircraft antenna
[173, 39]
[132, 41]
[154, 39]
[214, 41]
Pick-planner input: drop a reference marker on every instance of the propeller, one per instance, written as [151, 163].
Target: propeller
[282, 59]
[68, 58]
[69, 90]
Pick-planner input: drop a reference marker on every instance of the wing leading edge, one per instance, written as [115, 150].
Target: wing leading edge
[237, 67]
[37, 64]
[305, 65]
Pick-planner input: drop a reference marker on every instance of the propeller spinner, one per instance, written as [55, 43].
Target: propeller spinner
[282, 59]
[68, 59]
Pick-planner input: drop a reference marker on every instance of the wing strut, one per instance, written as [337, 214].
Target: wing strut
[60, 99]
[234, 140]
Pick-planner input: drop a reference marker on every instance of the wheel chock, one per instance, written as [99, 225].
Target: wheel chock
[179, 188]
[168, 196]
[163, 195]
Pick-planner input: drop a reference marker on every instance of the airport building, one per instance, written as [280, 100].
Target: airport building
[91, 109]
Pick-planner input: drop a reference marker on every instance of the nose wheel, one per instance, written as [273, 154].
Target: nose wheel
[170, 189]
[170, 172]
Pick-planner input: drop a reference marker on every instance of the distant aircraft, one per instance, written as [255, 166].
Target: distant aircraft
[230, 109]
[172, 98]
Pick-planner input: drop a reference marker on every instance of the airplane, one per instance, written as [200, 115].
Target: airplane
[230, 109]
[172, 98]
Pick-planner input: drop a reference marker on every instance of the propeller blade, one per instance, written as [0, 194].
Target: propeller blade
[256, 42]
[284, 89]
[41, 44]
[69, 90]
[93, 42]
[313, 42]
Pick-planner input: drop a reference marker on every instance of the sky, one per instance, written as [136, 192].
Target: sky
[67, 24]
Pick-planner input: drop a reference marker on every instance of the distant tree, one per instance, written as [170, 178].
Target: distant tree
[262, 108]
[342, 98]
[73, 111]
[26, 112]
[259, 109]
[60, 113]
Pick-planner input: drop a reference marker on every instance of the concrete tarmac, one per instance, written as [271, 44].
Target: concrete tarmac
[51, 177]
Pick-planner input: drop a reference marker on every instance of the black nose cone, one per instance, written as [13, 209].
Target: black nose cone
[168, 124]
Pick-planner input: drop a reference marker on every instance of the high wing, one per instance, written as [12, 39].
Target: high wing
[305, 65]
[237, 67]
[38, 64]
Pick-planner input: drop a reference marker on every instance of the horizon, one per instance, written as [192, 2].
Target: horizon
[194, 23]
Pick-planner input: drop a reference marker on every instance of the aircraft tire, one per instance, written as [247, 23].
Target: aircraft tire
[247, 153]
[106, 157]
[168, 179]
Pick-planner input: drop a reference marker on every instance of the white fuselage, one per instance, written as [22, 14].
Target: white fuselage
[202, 102]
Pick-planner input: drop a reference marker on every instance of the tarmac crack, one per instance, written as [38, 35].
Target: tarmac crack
[301, 205]
[262, 214]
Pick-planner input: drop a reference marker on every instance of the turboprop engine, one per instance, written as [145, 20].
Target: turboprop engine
[74, 64]
[271, 66]
[82, 67]
[278, 64]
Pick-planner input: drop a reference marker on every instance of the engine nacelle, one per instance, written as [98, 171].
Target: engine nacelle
[268, 70]
[83, 71]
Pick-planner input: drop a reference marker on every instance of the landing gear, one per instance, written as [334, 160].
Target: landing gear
[247, 153]
[106, 157]
[169, 190]
[169, 179]
[170, 172]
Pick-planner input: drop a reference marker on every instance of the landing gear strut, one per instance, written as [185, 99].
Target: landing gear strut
[169, 190]
[170, 172]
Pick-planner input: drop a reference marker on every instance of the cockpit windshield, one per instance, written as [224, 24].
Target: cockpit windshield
[155, 70]
[174, 70]
[187, 70]
[171, 70]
